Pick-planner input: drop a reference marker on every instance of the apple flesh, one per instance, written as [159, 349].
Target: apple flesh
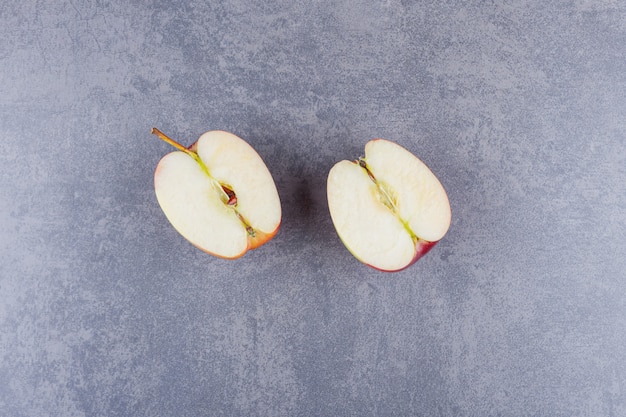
[388, 208]
[218, 194]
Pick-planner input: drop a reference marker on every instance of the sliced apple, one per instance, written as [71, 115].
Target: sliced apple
[218, 194]
[388, 208]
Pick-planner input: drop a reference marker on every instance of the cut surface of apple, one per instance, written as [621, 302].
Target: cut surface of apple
[388, 208]
[218, 194]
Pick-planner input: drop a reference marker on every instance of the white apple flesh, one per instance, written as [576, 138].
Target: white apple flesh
[388, 208]
[218, 194]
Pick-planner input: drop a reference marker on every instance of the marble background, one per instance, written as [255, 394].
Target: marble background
[519, 107]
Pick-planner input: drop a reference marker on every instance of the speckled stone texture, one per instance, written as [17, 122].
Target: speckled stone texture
[519, 107]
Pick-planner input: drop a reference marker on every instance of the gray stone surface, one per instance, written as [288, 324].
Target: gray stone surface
[518, 107]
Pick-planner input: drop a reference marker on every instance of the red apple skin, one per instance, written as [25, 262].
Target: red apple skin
[260, 239]
[253, 242]
[422, 247]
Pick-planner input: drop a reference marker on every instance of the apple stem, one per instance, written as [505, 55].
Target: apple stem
[361, 162]
[172, 142]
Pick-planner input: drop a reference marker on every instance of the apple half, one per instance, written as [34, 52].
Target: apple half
[218, 194]
[388, 208]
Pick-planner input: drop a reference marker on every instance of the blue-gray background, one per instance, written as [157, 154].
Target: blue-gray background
[519, 107]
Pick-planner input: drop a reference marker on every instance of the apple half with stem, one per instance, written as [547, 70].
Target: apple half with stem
[388, 208]
[218, 194]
